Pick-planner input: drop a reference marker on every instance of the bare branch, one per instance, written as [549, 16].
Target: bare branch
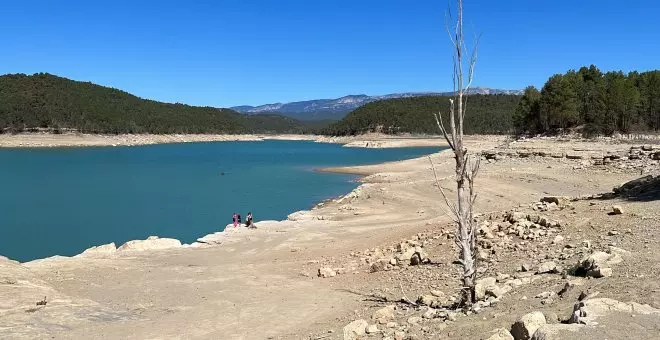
[452, 207]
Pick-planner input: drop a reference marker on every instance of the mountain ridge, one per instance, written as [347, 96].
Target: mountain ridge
[337, 108]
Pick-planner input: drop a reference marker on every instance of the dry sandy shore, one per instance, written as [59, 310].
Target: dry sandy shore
[40, 140]
[260, 284]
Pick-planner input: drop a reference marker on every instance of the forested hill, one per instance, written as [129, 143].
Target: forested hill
[600, 103]
[47, 101]
[487, 114]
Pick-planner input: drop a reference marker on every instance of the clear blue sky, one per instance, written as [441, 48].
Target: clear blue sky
[231, 52]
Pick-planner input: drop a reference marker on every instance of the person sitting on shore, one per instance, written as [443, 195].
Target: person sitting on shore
[234, 219]
[248, 220]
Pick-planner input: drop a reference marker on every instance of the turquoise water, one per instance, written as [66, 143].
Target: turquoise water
[62, 201]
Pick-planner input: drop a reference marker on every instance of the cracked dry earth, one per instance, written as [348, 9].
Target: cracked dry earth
[341, 270]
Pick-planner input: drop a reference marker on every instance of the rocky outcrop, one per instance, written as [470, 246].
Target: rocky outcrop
[587, 314]
[102, 250]
[151, 243]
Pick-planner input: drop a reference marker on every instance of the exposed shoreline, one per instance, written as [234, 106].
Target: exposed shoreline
[280, 295]
[49, 140]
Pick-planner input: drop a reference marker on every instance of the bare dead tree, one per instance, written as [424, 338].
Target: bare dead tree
[467, 166]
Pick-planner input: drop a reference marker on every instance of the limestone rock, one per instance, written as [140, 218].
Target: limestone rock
[384, 314]
[617, 210]
[151, 243]
[591, 264]
[556, 332]
[558, 200]
[501, 334]
[413, 320]
[355, 330]
[481, 286]
[437, 293]
[498, 291]
[419, 257]
[600, 272]
[106, 249]
[558, 239]
[524, 328]
[326, 272]
[371, 329]
[430, 313]
[547, 267]
[377, 266]
[587, 311]
[426, 300]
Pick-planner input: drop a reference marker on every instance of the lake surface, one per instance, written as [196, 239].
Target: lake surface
[62, 201]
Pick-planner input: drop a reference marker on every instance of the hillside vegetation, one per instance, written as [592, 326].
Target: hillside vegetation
[603, 103]
[487, 114]
[47, 101]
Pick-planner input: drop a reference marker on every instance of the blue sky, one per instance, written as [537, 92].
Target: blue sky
[232, 52]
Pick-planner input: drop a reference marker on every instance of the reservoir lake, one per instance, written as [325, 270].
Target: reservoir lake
[61, 201]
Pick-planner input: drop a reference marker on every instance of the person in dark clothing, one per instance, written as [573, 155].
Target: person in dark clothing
[248, 220]
[239, 219]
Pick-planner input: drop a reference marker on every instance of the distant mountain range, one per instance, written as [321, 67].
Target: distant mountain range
[335, 109]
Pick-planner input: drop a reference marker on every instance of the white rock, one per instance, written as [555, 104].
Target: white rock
[501, 334]
[384, 314]
[355, 329]
[151, 243]
[524, 328]
[106, 249]
[371, 329]
[547, 267]
[326, 272]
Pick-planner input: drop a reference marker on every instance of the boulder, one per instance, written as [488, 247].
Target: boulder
[355, 330]
[600, 272]
[556, 332]
[560, 201]
[516, 216]
[426, 300]
[384, 314]
[371, 329]
[430, 313]
[151, 243]
[481, 286]
[617, 210]
[547, 267]
[501, 334]
[524, 328]
[438, 293]
[377, 266]
[326, 272]
[597, 264]
[418, 257]
[558, 239]
[498, 291]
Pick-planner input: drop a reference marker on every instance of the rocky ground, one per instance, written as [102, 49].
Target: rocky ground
[562, 256]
